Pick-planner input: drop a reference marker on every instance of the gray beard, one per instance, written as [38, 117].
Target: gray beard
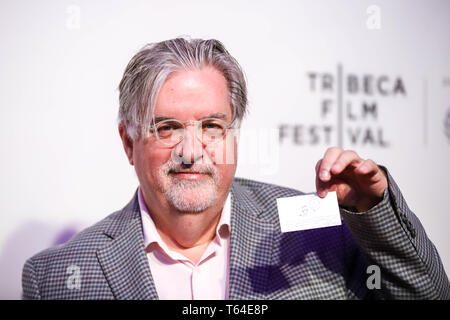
[179, 195]
[189, 196]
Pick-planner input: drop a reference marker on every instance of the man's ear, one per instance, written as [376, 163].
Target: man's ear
[127, 143]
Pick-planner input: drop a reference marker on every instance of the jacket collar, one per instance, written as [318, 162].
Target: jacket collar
[123, 260]
[250, 251]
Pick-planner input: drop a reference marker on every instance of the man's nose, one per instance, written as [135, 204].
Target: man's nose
[190, 149]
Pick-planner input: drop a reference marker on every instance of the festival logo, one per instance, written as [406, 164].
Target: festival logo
[349, 105]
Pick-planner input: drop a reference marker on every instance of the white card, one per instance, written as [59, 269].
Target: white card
[308, 212]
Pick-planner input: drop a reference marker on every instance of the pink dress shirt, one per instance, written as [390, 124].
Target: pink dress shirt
[175, 276]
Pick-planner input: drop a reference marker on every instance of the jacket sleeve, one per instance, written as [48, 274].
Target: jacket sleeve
[393, 239]
[30, 289]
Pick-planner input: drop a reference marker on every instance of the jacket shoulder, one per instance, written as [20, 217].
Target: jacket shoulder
[89, 239]
[45, 273]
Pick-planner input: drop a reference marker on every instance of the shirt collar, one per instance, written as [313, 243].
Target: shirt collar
[223, 228]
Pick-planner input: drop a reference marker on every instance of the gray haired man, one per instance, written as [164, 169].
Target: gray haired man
[194, 231]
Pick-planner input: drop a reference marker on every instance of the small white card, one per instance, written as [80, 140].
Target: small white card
[308, 212]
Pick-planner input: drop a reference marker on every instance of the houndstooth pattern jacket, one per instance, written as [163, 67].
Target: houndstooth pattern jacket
[326, 263]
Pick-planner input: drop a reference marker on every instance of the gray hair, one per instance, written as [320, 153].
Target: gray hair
[150, 67]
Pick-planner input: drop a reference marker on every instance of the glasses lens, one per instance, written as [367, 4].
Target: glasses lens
[213, 130]
[169, 131]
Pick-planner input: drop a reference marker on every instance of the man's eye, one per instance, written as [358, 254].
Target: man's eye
[166, 127]
[212, 125]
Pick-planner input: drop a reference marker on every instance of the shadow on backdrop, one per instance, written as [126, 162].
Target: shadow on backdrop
[27, 240]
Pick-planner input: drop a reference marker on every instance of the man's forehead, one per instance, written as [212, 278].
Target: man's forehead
[203, 81]
[194, 94]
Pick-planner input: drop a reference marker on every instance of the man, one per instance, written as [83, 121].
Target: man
[193, 231]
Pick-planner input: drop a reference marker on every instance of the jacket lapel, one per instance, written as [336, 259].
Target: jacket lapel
[250, 251]
[251, 247]
[123, 260]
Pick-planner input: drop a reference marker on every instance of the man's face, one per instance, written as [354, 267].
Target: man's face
[189, 176]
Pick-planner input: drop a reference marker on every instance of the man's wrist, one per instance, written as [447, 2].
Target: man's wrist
[364, 208]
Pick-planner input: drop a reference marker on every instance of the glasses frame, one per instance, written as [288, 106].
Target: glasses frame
[197, 128]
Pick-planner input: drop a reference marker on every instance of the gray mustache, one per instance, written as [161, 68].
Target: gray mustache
[174, 168]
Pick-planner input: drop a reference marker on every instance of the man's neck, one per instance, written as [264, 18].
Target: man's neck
[186, 233]
[189, 234]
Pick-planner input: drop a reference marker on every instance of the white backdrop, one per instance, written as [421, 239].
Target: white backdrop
[313, 67]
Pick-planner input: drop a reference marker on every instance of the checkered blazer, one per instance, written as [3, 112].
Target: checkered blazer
[326, 263]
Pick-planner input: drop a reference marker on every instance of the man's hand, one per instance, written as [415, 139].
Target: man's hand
[359, 183]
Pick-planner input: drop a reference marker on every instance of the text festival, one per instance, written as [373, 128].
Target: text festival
[343, 120]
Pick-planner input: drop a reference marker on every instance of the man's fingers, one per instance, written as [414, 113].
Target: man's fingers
[318, 166]
[345, 159]
[367, 167]
[335, 162]
[327, 162]
[331, 175]
[321, 187]
[372, 171]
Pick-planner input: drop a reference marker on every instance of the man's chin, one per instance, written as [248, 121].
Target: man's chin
[190, 196]
[189, 205]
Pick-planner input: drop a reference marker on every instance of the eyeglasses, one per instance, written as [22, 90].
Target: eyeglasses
[172, 131]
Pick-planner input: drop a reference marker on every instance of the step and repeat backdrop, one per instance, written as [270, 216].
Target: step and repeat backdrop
[372, 76]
